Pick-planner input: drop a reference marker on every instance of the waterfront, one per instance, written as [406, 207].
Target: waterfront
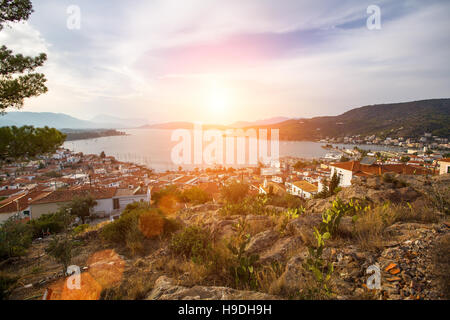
[153, 148]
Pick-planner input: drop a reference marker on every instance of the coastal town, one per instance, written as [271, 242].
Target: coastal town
[30, 189]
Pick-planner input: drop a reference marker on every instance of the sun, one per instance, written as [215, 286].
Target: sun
[218, 103]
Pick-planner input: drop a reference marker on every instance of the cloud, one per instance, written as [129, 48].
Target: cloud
[158, 58]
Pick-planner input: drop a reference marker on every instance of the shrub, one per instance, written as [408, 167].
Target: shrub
[250, 205]
[15, 238]
[195, 195]
[137, 222]
[390, 178]
[287, 201]
[6, 282]
[53, 222]
[80, 229]
[167, 192]
[61, 250]
[235, 192]
[193, 243]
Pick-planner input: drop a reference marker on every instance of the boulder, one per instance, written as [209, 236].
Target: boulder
[165, 289]
[262, 241]
[280, 249]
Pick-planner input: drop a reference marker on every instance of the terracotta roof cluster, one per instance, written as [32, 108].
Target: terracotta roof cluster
[21, 202]
[375, 169]
[68, 195]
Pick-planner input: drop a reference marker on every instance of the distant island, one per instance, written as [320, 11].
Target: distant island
[90, 134]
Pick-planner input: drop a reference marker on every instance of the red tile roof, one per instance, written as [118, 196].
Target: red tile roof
[68, 195]
[375, 169]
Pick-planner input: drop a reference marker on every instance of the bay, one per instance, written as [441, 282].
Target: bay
[152, 147]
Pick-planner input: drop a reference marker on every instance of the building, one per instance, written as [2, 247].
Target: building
[444, 166]
[110, 201]
[303, 189]
[347, 170]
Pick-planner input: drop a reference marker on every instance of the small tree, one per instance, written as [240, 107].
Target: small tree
[15, 238]
[334, 183]
[61, 249]
[18, 80]
[81, 207]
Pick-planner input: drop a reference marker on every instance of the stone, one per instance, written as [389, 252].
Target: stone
[261, 241]
[165, 289]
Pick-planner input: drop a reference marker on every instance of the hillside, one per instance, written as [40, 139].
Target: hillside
[193, 253]
[61, 121]
[409, 119]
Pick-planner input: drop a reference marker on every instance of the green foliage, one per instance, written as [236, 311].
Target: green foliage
[250, 205]
[15, 238]
[169, 191]
[28, 142]
[137, 222]
[235, 192]
[287, 216]
[6, 282]
[194, 243]
[81, 207]
[405, 159]
[62, 250]
[17, 79]
[195, 195]
[331, 189]
[287, 201]
[243, 268]
[321, 269]
[300, 165]
[390, 178]
[80, 229]
[53, 223]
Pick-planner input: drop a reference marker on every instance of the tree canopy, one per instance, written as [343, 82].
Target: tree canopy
[28, 142]
[18, 80]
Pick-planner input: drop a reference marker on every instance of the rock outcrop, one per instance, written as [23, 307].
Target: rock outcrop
[166, 289]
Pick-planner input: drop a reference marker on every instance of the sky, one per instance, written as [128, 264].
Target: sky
[216, 61]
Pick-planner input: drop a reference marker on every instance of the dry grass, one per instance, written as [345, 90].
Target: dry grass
[441, 260]
[415, 213]
[369, 229]
[269, 279]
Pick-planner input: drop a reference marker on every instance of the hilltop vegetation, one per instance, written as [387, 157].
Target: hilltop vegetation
[409, 119]
[255, 247]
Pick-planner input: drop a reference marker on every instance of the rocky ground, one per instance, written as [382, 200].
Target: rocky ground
[411, 253]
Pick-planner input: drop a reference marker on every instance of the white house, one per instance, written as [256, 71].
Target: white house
[444, 166]
[303, 189]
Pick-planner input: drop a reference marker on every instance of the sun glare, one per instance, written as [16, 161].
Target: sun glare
[218, 102]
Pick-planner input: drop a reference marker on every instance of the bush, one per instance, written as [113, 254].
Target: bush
[390, 178]
[80, 229]
[15, 238]
[5, 284]
[61, 250]
[235, 192]
[167, 192]
[137, 222]
[250, 205]
[287, 201]
[193, 243]
[195, 195]
[53, 222]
